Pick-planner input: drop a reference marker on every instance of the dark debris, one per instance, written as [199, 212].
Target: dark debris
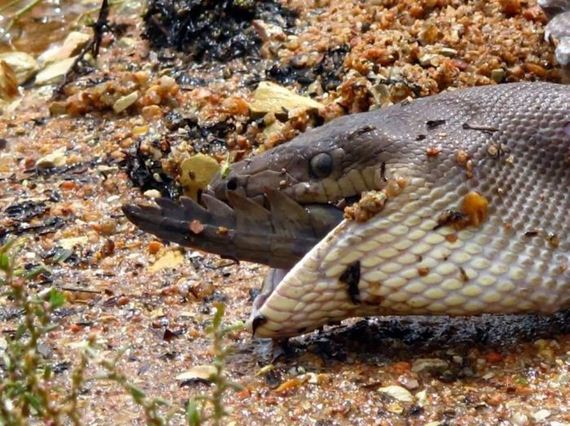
[49, 225]
[147, 173]
[25, 210]
[329, 70]
[426, 334]
[211, 29]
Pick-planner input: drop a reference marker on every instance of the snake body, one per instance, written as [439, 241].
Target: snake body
[507, 144]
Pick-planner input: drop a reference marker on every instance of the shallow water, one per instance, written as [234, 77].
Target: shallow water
[46, 23]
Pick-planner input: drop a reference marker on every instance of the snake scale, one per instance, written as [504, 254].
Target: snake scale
[474, 213]
[455, 204]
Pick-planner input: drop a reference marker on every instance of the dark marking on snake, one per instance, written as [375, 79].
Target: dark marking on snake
[257, 322]
[361, 131]
[383, 171]
[420, 137]
[432, 124]
[351, 277]
[486, 129]
[464, 276]
[531, 233]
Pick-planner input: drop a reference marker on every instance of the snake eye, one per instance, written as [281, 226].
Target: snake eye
[321, 165]
[232, 184]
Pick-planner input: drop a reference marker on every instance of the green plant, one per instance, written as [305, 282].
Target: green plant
[211, 407]
[26, 389]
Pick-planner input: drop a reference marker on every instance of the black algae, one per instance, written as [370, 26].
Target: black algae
[212, 29]
[146, 173]
[329, 69]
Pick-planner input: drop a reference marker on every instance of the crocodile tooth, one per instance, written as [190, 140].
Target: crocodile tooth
[222, 213]
[249, 214]
[288, 217]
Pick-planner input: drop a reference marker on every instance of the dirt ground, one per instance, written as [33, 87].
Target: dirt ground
[69, 161]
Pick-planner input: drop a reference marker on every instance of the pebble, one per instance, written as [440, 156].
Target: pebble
[54, 72]
[72, 45]
[541, 415]
[408, 382]
[55, 159]
[70, 243]
[8, 82]
[498, 75]
[170, 259]
[429, 364]
[519, 419]
[152, 193]
[24, 65]
[447, 52]
[270, 97]
[198, 372]
[397, 392]
[126, 101]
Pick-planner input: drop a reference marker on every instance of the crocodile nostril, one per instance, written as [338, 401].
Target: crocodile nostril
[232, 184]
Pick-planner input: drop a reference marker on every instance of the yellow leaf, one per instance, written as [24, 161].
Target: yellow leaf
[196, 172]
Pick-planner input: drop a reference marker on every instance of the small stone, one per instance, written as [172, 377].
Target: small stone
[199, 289]
[57, 108]
[541, 415]
[289, 385]
[397, 392]
[71, 243]
[395, 408]
[511, 7]
[140, 130]
[54, 72]
[8, 82]
[498, 75]
[430, 59]
[126, 101]
[196, 172]
[72, 45]
[55, 159]
[270, 97]
[429, 365]
[199, 372]
[408, 382]
[151, 112]
[268, 31]
[447, 52]
[154, 247]
[519, 419]
[24, 65]
[170, 259]
[422, 398]
[152, 193]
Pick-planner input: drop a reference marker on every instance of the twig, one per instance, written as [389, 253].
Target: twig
[99, 28]
[80, 290]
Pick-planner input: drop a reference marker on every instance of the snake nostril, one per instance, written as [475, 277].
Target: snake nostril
[232, 184]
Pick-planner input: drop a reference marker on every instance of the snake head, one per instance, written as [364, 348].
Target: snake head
[322, 165]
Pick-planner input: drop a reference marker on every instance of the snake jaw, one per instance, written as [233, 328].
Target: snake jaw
[402, 261]
[277, 235]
